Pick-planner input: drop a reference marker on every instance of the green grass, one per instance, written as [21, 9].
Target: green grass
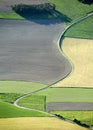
[19, 86]
[9, 97]
[72, 8]
[10, 16]
[8, 111]
[34, 102]
[82, 30]
[83, 116]
[68, 94]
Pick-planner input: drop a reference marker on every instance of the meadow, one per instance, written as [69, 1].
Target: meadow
[67, 94]
[9, 111]
[33, 101]
[83, 116]
[19, 86]
[82, 30]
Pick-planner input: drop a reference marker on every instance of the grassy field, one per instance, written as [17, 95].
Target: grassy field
[83, 116]
[80, 53]
[34, 102]
[9, 97]
[67, 95]
[19, 86]
[46, 123]
[72, 9]
[10, 111]
[82, 29]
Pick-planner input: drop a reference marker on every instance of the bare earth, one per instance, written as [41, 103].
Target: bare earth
[69, 106]
[29, 51]
[36, 123]
[80, 53]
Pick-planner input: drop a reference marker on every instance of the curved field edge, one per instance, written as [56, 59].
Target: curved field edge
[80, 53]
[35, 123]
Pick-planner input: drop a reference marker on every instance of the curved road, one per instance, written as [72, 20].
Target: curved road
[66, 68]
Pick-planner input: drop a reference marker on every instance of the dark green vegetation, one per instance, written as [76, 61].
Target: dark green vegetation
[86, 1]
[33, 9]
[8, 111]
[9, 97]
[84, 116]
[82, 30]
[67, 94]
[33, 101]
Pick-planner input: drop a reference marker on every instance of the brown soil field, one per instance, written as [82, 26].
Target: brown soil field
[80, 54]
[37, 124]
[69, 106]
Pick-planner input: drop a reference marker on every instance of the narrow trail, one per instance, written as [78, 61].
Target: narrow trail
[61, 37]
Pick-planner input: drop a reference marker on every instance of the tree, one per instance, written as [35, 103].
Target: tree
[40, 8]
[86, 1]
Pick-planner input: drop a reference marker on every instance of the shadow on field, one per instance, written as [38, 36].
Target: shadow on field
[47, 15]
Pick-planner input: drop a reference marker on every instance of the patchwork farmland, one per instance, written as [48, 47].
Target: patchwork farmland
[42, 82]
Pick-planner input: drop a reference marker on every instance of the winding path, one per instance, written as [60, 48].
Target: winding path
[59, 43]
[61, 62]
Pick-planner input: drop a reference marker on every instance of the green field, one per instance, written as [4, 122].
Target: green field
[83, 116]
[82, 30]
[68, 94]
[19, 86]
[72, 9]
[34, 102]
[9, 97]
[8, 111]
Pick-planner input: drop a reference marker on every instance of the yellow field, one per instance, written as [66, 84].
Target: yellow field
[37, 123]
[80, 53]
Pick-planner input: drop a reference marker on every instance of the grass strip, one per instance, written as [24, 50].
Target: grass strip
[83, 116]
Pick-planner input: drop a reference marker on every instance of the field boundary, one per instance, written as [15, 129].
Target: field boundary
[61, 37]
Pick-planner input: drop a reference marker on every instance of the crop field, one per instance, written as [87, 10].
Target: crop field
[35, 123]
[10, 111]
[67, 95]
[34, 102]
[80, 53]
[19, 86]
[83, 116]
